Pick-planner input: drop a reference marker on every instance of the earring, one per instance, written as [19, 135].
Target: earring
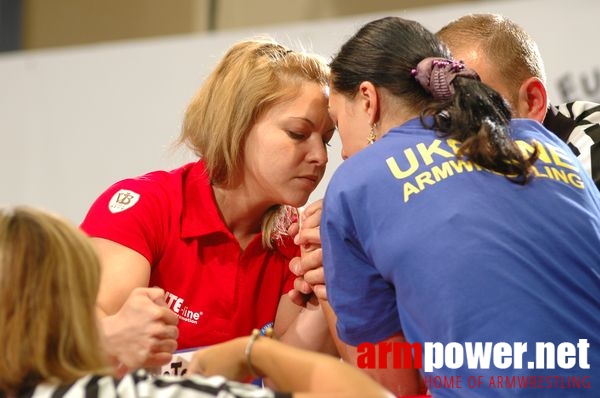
[372, 134]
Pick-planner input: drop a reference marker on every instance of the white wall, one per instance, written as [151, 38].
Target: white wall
[72, 121]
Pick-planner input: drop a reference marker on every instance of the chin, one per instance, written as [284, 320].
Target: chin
[297, 201]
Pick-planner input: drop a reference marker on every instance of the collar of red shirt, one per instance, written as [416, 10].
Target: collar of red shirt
[200, 213]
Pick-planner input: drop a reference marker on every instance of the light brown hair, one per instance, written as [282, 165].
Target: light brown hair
[49, 278]
[253, 76]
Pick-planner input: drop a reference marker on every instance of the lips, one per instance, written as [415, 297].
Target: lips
[311, 179]
[315, 178]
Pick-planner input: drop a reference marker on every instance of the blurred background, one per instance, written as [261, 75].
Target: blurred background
[93, 91]
[35, 24]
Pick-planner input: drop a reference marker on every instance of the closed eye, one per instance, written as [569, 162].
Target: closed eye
[295, 135]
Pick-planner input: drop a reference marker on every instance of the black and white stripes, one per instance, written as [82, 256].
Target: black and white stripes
[582, 134]
[143, 385]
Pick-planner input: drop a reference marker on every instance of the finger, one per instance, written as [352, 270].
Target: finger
[315, 276]
[156, 295]
[167, 316]
[308, 236]
[293, 229]
[314, 207]
[311, 260]
[312, 220]
[158, 330]
[167, 332]
[301, 286]
[320, 291]
[167, 346]
[296, 266]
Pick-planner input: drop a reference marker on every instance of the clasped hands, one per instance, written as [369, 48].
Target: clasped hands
[143, 333]
[310, 278]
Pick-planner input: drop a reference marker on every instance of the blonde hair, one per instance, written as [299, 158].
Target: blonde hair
[253, 76]
[49, 278]
[507, 46]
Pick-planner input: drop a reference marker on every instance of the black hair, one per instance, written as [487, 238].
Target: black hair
[385, 51]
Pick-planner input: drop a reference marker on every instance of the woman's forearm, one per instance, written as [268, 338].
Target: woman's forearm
[307, 329]
[310, 374]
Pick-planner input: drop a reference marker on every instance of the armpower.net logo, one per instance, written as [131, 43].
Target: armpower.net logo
[431, 357]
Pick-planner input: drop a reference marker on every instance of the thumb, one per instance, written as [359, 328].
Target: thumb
[157, 296]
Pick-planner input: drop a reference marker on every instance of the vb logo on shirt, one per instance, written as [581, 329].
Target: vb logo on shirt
[177, 305]
[123, 199]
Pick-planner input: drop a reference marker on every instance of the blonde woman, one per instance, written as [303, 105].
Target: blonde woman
[52, 345]
[212, 233]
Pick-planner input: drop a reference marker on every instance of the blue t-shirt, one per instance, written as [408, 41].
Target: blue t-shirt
[420, 242]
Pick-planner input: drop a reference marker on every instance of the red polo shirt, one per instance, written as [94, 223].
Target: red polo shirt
[171, 218]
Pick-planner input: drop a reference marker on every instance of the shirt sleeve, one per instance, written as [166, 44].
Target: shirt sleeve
[585, 136]
[129, 213]
[363, 301]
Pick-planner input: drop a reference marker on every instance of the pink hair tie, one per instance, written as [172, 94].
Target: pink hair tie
[436, 75]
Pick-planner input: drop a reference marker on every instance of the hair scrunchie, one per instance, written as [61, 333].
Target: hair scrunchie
[436, 75]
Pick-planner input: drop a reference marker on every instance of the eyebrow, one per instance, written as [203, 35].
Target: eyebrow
[303, 118]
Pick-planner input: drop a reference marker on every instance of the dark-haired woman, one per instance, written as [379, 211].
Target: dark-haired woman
[450, 227]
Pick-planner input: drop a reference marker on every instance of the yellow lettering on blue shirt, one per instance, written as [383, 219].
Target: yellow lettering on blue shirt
[553, 163]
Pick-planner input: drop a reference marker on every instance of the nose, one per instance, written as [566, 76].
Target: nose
[317, 153]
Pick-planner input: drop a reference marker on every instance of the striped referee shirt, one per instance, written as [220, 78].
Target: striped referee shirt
[578, 124]
[143, 385]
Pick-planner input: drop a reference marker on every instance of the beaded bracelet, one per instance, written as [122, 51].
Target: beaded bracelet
[248, 351]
